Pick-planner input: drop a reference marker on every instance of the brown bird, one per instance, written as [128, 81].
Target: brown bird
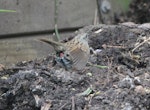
[76, 51]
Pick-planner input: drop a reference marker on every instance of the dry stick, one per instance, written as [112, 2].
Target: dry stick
[73, 103]
[111, 46]
[56, 20]
[46, 105]
[109, 67]
[90, 100]
[141, 44]
[15, 68]
[63, 106]
[95, 17]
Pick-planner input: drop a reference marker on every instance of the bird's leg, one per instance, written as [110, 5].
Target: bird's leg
[54, 61]
[62, 58]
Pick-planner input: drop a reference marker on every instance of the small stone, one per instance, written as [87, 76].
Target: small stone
[64, 76]
[105, 101]
[127, 106]
[89, 74]
[138, 72]
[127, 82]
[140, 89]
[137, 81]
[147, 76]
[120, 68]
[124, 70]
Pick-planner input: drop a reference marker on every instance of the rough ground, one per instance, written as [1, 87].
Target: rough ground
[139, 12]
[124, 84]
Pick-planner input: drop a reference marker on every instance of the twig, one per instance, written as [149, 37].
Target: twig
[63, 106]
[46, 105]
[15, 68]
[111, 46]
[73, 103]
[56, 20]
[109, 68]
[95, 17]
[146, 40]
[98, 66]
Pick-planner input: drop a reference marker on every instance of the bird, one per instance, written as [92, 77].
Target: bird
[72, 54]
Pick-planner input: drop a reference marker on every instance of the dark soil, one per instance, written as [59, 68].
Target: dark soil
[123, 85]
[139, 12]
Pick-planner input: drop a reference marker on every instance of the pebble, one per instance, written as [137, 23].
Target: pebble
[137, 81]
[127, 82]
[140, 89]
[147, 76]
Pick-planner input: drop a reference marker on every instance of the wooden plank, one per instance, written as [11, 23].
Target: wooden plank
[37, 15]
[24, 49]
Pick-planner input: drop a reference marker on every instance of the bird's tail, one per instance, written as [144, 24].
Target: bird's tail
[58, 47]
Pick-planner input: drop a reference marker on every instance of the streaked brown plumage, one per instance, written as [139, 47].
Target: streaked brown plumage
[77, 49]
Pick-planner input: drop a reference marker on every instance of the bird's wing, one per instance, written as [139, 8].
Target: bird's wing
[79, 58]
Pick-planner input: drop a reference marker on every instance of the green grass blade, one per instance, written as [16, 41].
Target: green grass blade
[99, 66]
[12, 11]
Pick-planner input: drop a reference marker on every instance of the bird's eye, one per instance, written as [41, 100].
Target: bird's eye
[67, 57]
